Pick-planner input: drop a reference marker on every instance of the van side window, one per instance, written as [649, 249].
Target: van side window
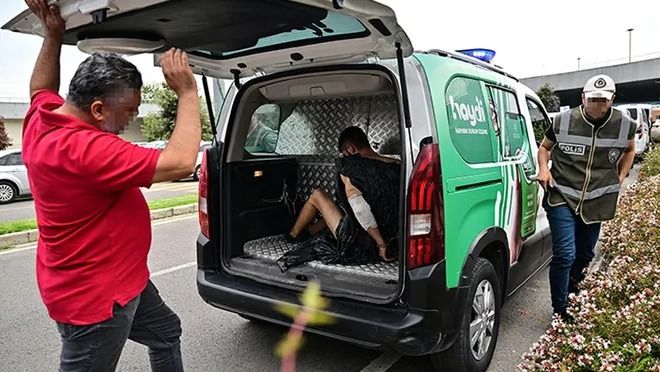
[468, 122]
[514, 133]
[540, 122]
[264, 127]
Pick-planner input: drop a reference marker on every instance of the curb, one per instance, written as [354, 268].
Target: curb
[597, 261]
[29, 236]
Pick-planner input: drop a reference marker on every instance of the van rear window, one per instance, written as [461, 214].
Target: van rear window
[333, 26]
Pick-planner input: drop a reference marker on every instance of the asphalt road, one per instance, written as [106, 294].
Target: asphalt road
[24, 209]
[215, 340]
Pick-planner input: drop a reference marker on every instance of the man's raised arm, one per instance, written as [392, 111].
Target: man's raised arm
[46, 74]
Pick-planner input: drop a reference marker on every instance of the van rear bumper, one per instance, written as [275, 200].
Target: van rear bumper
[400, 328]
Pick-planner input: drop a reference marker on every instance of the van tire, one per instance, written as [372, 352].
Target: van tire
[460, 356]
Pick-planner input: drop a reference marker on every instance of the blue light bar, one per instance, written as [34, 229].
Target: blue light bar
[485, 55]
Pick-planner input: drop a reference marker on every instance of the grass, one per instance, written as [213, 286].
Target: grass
[24, 225]
[16, 226]
[651, 165]
[173, 202]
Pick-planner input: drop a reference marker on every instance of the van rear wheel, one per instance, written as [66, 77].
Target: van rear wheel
[475, 343]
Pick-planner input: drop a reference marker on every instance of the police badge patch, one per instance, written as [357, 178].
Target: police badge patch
[613, 155]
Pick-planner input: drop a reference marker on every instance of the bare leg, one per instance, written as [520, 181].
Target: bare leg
[318, 202]
[317, 227]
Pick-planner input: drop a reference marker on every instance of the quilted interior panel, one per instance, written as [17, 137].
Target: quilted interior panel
[314, 126]
[310, 134]
[316, 172]
[271, 248]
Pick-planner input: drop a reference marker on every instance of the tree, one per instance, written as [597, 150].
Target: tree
[159, 125]
[551, 102]
[548, 97]
[5, 141]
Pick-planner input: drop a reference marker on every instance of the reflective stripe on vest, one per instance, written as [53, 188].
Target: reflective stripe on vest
[593, 194]
[564, 137]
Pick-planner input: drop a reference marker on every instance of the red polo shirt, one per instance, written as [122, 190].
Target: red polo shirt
[94, 224]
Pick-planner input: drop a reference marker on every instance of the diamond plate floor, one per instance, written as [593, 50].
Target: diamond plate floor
[271, 248]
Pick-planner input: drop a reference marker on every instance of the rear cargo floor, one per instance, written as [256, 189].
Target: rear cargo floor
[378, 280]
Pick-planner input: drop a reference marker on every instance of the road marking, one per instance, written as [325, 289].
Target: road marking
[173, 269]
[16, 250]
[384, 362]
[16, 208]
[157, 223]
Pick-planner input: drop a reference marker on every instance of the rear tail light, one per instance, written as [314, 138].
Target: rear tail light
[203, 198]
[426, 240]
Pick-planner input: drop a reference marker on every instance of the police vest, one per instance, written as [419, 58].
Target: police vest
[585, 163]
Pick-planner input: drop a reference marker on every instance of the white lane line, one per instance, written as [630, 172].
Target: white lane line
[16, 250]
[157, 223]
[384, 362]
[16, 208]
[173, 269]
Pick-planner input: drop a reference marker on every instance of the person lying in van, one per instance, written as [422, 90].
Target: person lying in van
[363, 228]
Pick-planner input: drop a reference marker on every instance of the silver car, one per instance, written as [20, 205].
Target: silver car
[13, 176]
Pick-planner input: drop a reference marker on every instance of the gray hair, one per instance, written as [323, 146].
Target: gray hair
[99, 76]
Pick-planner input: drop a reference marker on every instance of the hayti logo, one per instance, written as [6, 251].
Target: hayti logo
[472, 113]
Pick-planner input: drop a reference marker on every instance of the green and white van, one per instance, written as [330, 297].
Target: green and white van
[472, 230]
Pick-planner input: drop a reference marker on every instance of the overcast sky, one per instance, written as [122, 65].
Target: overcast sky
[530, 37]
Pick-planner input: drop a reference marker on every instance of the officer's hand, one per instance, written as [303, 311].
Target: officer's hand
[177, 71]
[545, 179]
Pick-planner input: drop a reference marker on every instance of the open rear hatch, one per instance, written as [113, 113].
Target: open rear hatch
[280, 146]
[243, 38]
[232, 38]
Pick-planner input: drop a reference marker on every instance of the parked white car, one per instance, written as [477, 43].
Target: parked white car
[643, 134]
[203, 146]
[13, 176]
[655, 130]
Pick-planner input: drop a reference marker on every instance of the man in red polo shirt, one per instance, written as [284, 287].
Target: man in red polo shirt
[94, 224]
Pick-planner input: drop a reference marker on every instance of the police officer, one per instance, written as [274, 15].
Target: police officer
[592, 150]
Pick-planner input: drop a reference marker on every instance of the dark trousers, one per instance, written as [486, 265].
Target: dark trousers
[573, 244]
[145, 319]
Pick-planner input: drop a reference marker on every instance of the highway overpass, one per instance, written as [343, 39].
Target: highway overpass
[636, 82]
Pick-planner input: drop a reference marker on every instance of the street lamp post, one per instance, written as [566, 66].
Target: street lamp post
[630, 30]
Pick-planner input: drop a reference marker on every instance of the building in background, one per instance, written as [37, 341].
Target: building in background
[13, 110]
